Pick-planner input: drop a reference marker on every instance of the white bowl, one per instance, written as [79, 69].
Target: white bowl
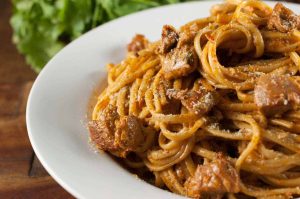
[57, 105]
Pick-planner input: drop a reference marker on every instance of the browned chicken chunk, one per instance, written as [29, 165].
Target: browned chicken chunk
[275, 94]
[116, 134]
[139, 42]
[283, 19]
[213, 180]
[179, 62]
[102, 130]
[129, 134]
[176, 61]
[169, 38]
[198, 102]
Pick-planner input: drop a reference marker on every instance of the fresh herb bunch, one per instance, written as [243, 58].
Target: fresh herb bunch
[42, 27]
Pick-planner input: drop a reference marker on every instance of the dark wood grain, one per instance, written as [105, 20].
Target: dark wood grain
[21, 173]
[36, 169]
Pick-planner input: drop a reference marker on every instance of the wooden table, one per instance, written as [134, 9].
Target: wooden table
[21, 174]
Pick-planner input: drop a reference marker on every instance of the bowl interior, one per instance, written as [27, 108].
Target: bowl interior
[58, 103]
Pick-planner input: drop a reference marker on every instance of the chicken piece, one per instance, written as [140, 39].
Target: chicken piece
[139, 42]
[129, 135]
[118, 135]
[213, 180]
[102, 130]
[275, 94]
[179, 62]
[198, 102]
[169, 38]
[283, 19]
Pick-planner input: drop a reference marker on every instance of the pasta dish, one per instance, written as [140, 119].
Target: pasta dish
[212, 109]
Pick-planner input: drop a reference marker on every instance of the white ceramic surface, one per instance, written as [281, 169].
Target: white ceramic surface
[57, 105]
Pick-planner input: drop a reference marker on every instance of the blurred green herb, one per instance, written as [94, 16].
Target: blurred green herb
[43, 27]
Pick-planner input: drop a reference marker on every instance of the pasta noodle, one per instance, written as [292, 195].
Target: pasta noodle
[235, 47]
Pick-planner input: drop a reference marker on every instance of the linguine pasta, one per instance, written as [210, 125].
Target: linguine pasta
[238, 44]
